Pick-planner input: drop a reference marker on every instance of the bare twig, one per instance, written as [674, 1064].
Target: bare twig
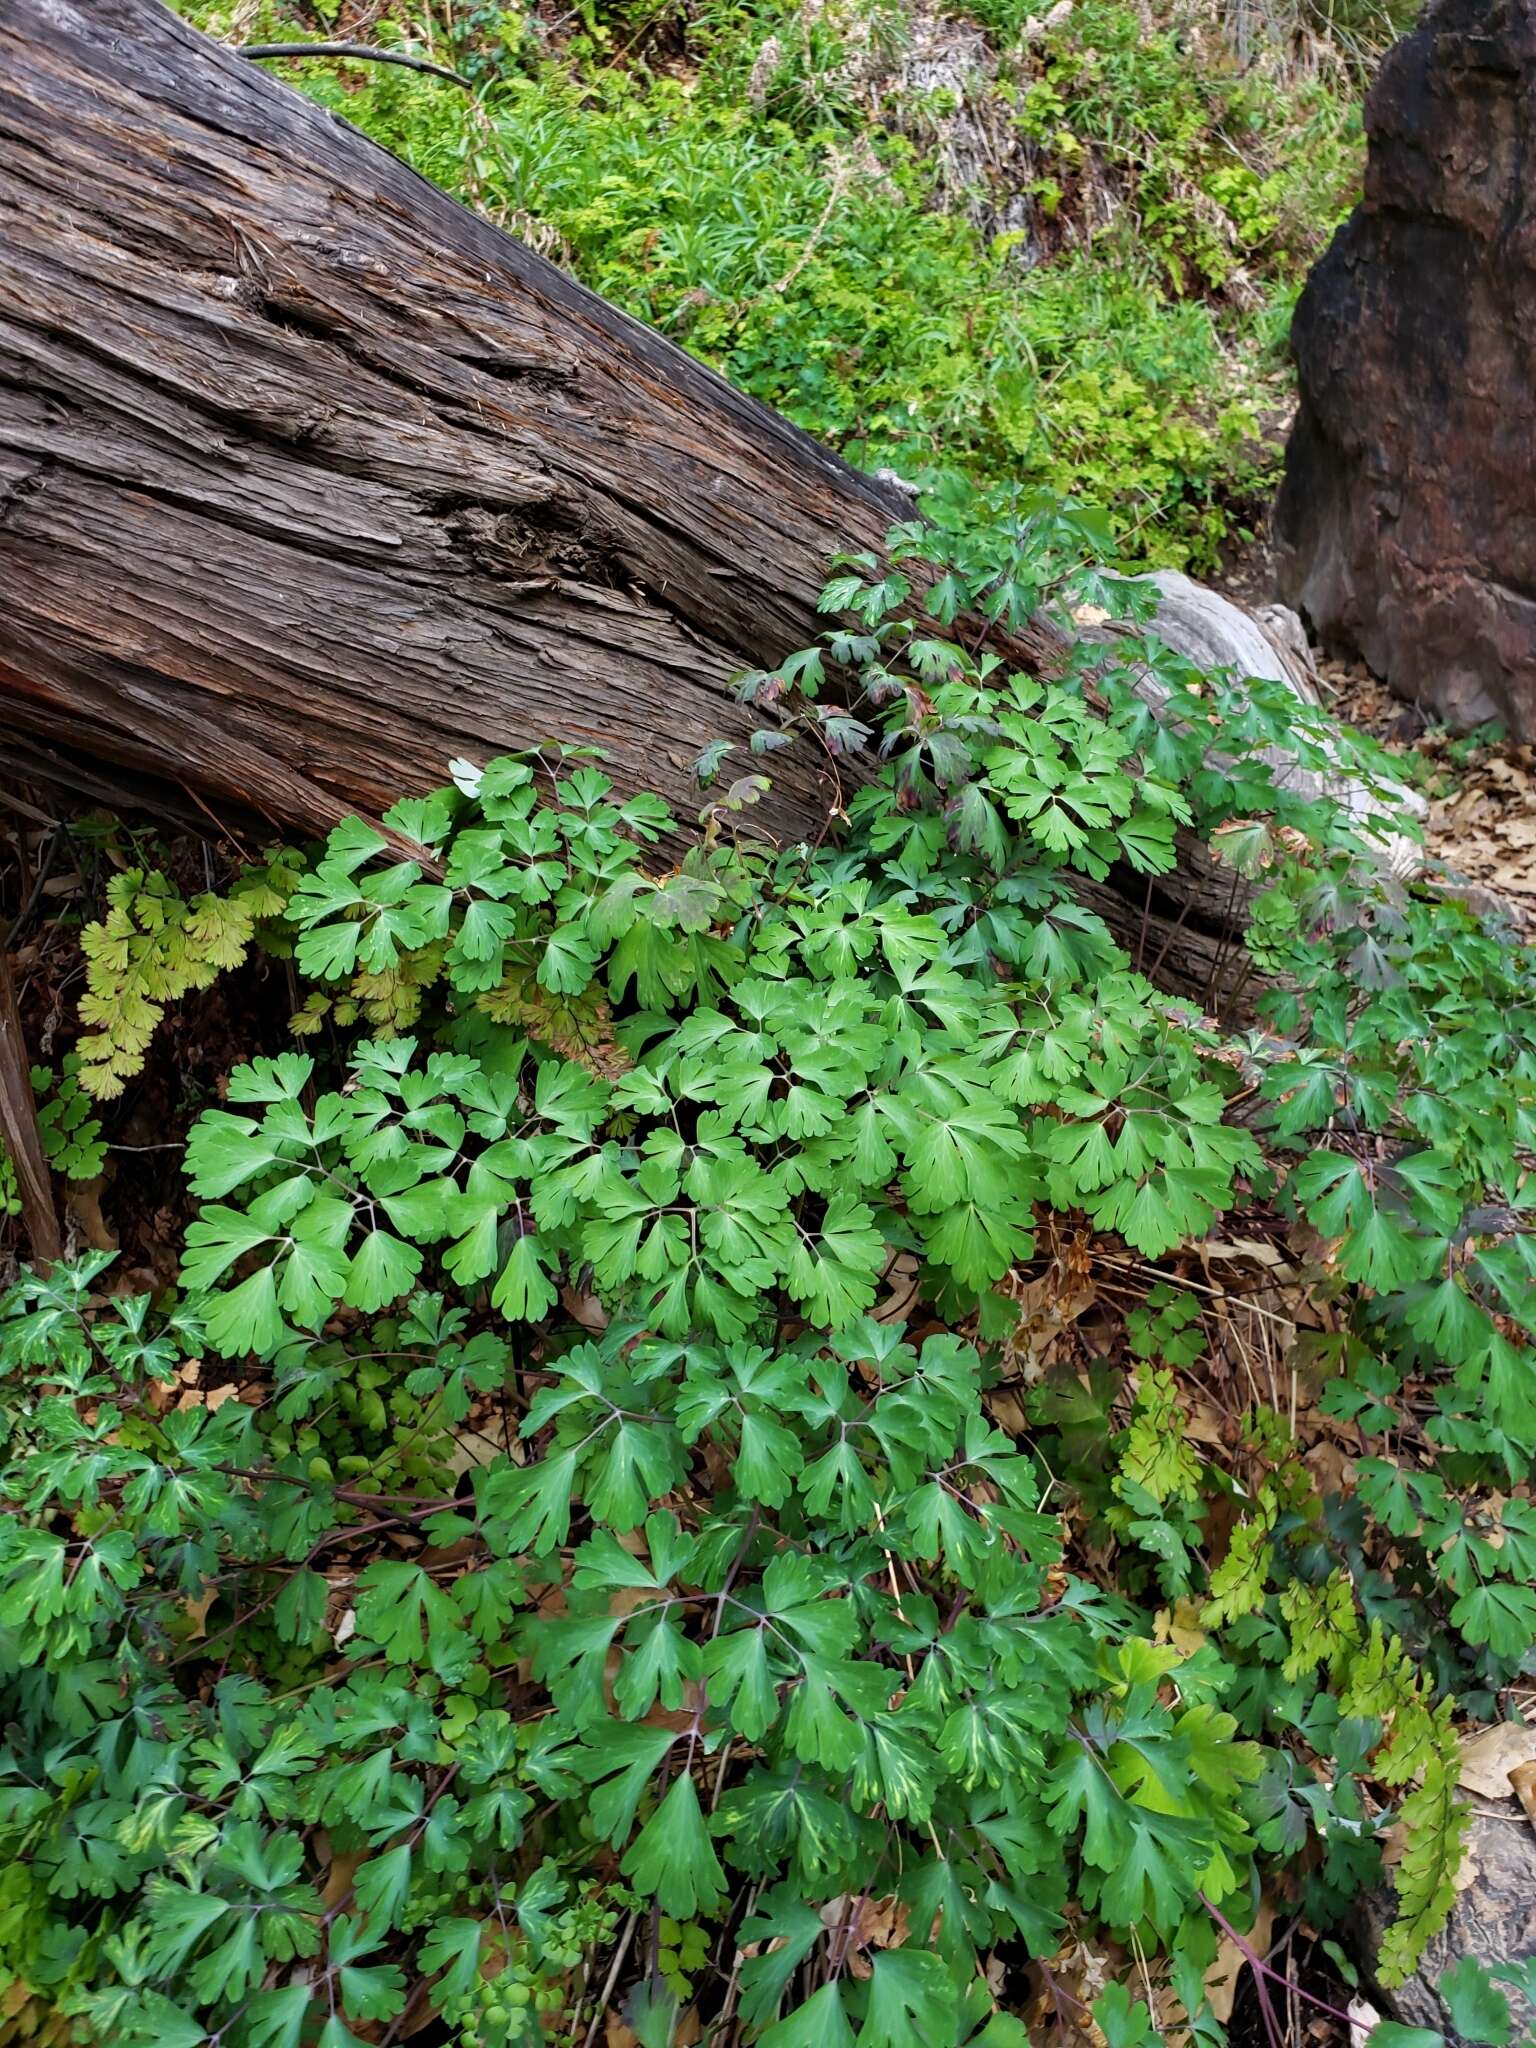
[1262, 1969]
[723, 2026]
[19, 1132]
[839, 179]
[362, 53]
[620, 1951]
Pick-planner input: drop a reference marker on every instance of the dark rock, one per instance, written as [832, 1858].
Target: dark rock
[1493, 1919]
[1406, 525]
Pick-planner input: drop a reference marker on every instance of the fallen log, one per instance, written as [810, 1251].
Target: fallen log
[311, 480]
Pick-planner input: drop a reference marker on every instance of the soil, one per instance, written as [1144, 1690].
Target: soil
[1306, 2001]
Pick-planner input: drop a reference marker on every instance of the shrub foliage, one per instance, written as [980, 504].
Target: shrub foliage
[581, 1536]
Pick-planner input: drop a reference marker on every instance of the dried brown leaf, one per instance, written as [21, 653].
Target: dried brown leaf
[1488, 1758]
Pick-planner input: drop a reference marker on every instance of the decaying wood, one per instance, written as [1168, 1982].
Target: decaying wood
[311, 480]
[19, 1132]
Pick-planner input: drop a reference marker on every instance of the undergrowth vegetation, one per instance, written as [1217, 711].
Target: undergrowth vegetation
[605, 1535]
[1060, 248]
[775, 1446]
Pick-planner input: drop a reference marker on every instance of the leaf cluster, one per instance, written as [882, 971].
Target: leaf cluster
[569, 1493]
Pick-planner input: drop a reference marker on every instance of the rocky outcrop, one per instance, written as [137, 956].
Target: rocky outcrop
[1406, 526]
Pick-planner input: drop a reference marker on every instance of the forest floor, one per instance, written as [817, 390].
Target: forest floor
[1481, 789]
[1055, 249]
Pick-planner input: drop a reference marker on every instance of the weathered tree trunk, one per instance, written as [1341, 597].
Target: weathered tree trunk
[311, 480]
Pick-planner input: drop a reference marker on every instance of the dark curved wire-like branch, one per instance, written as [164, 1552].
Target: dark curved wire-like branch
[363, 52]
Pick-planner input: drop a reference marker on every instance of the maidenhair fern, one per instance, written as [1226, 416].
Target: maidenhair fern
[153, 946]
[1434, 1823]
[72, 1136]
[592, 1511]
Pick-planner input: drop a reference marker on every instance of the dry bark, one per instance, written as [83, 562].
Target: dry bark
[311, 480]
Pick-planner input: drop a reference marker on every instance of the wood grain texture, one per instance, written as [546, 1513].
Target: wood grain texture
[311, 479]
